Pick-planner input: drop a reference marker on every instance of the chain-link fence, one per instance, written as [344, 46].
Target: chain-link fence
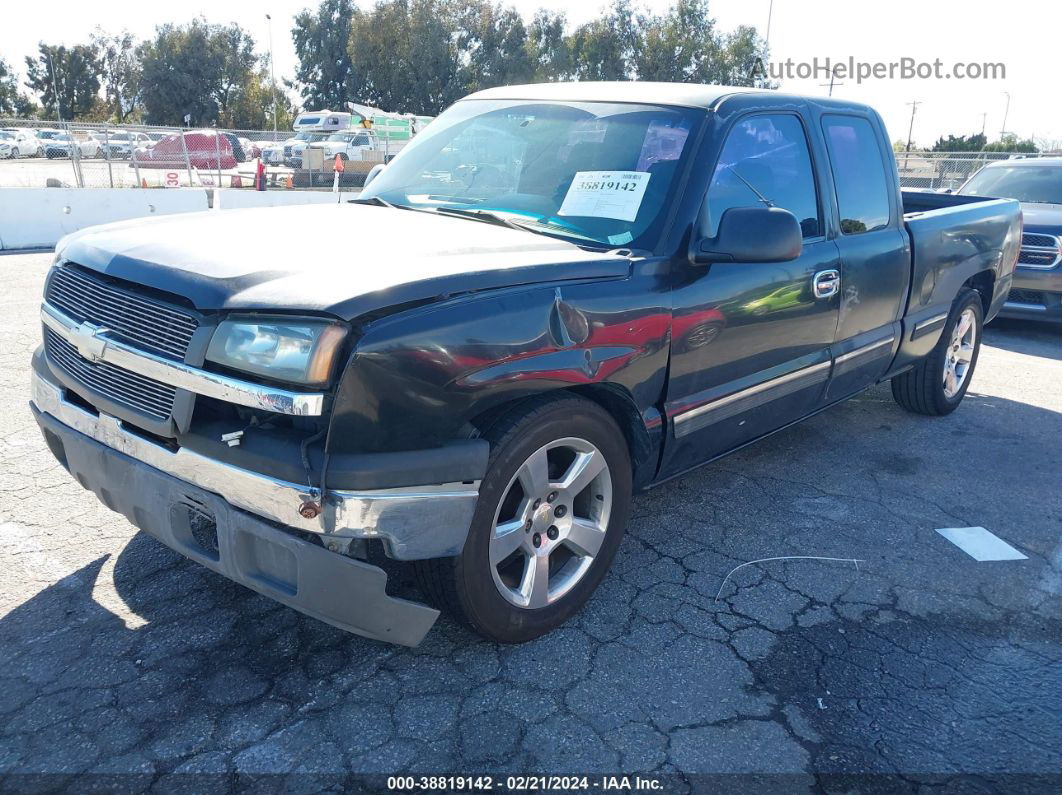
[946, 170]
[84, 155]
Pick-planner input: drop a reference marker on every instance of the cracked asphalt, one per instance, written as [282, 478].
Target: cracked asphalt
[122, 659]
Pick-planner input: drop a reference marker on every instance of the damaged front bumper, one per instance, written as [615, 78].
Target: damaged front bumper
[225, 518]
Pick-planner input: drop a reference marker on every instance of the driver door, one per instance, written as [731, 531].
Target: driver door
[750, 348]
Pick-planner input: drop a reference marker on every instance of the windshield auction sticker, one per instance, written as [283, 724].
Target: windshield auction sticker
[606, 194]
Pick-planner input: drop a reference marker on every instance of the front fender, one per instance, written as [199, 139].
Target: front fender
[417, 379]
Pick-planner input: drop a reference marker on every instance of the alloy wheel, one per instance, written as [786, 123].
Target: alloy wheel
[550, 523]
[959, 354]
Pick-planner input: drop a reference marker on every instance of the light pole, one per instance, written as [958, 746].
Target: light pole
[910, 131]
[1005, 112]
[272, 74]
[770, 13]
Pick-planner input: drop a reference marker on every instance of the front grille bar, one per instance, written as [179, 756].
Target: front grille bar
[95, 344]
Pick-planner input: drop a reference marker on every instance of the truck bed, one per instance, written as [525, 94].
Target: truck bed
[955, 238]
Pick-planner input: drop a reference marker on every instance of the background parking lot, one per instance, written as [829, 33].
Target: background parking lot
[120, 657]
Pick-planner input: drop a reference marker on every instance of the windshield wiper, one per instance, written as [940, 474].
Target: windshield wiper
[484, 215]
[379, 203]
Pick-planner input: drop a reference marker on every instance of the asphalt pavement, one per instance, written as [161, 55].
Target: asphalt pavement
[122, 659]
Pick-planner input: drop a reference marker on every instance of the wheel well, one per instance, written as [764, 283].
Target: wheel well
[984, 282]
[620, 406]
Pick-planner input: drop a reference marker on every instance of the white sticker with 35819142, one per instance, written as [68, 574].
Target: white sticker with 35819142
[606, 194]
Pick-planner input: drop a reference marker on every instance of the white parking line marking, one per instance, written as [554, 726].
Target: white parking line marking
[980, 544]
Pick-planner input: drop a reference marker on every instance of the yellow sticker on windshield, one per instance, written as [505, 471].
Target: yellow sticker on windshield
[605, 194]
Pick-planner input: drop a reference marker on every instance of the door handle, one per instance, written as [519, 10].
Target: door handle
[826, 283]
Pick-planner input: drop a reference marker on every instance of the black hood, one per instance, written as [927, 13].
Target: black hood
[344, 259]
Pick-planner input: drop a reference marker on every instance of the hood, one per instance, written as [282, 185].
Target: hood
[345, 259]
[1046, 218]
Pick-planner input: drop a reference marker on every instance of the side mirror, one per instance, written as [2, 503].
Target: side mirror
[374, 172]
[752, 234]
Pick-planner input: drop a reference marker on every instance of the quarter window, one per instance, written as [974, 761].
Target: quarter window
[766, 156]
[858, 174]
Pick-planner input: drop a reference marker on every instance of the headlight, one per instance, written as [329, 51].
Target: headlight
[287, 349]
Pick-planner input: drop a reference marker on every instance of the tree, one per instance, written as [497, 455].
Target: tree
[120, 63]
[606, 49]
[72, 72]
[548, 48]
[491, 45]
[325, 72]
[960, 143]
[8, 88]
[1009, 142]
[679, 46]
[404, 56]
[208, 72]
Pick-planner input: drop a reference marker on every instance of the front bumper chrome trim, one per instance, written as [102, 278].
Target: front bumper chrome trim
[414, 523]
[95, 345]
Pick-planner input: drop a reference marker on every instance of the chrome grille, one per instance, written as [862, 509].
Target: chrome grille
[128, 317]
[122, 386]
[1040, 251]
[1036, 239]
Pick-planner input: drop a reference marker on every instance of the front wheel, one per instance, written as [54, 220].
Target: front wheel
[937, 384]
[551, 513]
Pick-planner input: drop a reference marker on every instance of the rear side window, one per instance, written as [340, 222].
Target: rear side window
[767, 155]
[858, 174]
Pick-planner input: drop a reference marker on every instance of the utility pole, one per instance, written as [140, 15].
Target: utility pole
[910, 130]
[1005, 114]
[833, 81]
[272, 74]
[770, 13]
[55, 88]
[984, 121]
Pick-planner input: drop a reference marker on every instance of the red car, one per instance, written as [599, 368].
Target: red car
[204, 147]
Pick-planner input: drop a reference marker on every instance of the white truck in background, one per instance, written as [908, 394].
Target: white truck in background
[364, 134]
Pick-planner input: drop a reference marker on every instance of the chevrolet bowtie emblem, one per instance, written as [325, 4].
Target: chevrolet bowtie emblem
[88, 341]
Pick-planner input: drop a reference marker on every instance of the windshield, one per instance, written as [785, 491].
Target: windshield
[6, 136]
[1037, 184]
[587, 171]
[340, 136]
[48, 134]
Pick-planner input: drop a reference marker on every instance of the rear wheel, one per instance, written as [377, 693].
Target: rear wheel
[937, 384]
[551, 513]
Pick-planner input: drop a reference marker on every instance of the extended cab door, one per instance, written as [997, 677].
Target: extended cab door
[874, 248]
[750, 348]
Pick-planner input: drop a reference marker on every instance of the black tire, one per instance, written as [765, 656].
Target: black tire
[921, 389]
[464, 585]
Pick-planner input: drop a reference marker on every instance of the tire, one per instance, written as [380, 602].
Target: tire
[16, 153]
[502, 594]
[925, 389]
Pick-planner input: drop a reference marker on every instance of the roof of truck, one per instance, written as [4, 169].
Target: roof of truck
[691, 95]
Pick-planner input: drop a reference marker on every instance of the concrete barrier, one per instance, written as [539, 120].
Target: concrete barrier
[38, 217]
[240, 199]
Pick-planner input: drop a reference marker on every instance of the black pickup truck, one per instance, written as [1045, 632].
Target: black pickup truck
[555, 296]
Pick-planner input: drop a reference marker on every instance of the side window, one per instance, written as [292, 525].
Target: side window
[858, 173]
[766, 155]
